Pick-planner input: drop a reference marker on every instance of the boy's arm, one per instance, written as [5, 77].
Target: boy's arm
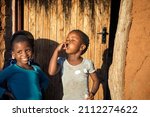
[53, 66]
[95, 85]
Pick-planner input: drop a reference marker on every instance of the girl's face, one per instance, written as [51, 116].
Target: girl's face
[73, 43]
[22, 52]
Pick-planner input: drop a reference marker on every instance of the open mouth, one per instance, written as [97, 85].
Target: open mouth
[67, 45]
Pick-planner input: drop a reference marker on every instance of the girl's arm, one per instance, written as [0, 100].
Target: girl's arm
[44, 79]
[4, 74]
[95, 86]
[53, 66]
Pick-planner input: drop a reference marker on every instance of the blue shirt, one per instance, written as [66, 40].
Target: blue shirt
[22, 83]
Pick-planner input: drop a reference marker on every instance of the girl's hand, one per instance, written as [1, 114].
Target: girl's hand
[11, 97]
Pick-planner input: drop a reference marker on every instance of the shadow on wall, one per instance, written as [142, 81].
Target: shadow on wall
[102, 74]
[43, 52]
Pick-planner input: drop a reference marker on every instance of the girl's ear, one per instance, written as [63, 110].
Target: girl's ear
[12, 55]
[82, 47]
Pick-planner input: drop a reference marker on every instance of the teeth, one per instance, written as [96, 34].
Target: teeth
[24, 59]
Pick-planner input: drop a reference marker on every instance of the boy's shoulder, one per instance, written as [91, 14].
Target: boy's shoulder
[87, 60]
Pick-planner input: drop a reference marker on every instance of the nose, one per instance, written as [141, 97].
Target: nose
[67, 42]
[24, 54]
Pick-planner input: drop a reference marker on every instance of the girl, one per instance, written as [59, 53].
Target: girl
[24, 80]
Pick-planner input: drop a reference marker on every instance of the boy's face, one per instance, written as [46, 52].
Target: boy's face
[22, 52]
[73, 43]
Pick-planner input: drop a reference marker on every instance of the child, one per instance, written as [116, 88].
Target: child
[28, 35]
[75, 69]
[24, 80]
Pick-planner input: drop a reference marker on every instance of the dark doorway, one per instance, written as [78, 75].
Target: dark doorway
[108, 54]
[115, 6]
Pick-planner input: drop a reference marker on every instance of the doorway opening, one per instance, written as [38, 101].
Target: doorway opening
[108, 54]
[115, 6]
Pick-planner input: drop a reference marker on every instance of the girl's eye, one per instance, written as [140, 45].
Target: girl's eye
[28, 50]
[19, 52]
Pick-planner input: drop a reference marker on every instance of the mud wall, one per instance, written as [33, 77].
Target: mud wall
[137, 69]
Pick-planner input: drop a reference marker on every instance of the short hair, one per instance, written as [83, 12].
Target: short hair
[84, 38]
[21, 36]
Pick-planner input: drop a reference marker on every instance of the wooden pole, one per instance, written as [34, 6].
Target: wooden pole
[13, 16]
[117, 69]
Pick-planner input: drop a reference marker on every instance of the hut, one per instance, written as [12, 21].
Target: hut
[118, 32]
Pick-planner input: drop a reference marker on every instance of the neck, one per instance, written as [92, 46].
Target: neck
[74, 60]
[25, 66]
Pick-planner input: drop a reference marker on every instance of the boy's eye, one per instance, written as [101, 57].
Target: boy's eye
[72, 40]
[67, 39]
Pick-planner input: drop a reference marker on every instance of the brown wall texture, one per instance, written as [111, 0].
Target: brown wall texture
[137, 70]
[5, 30]
[2, 31]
